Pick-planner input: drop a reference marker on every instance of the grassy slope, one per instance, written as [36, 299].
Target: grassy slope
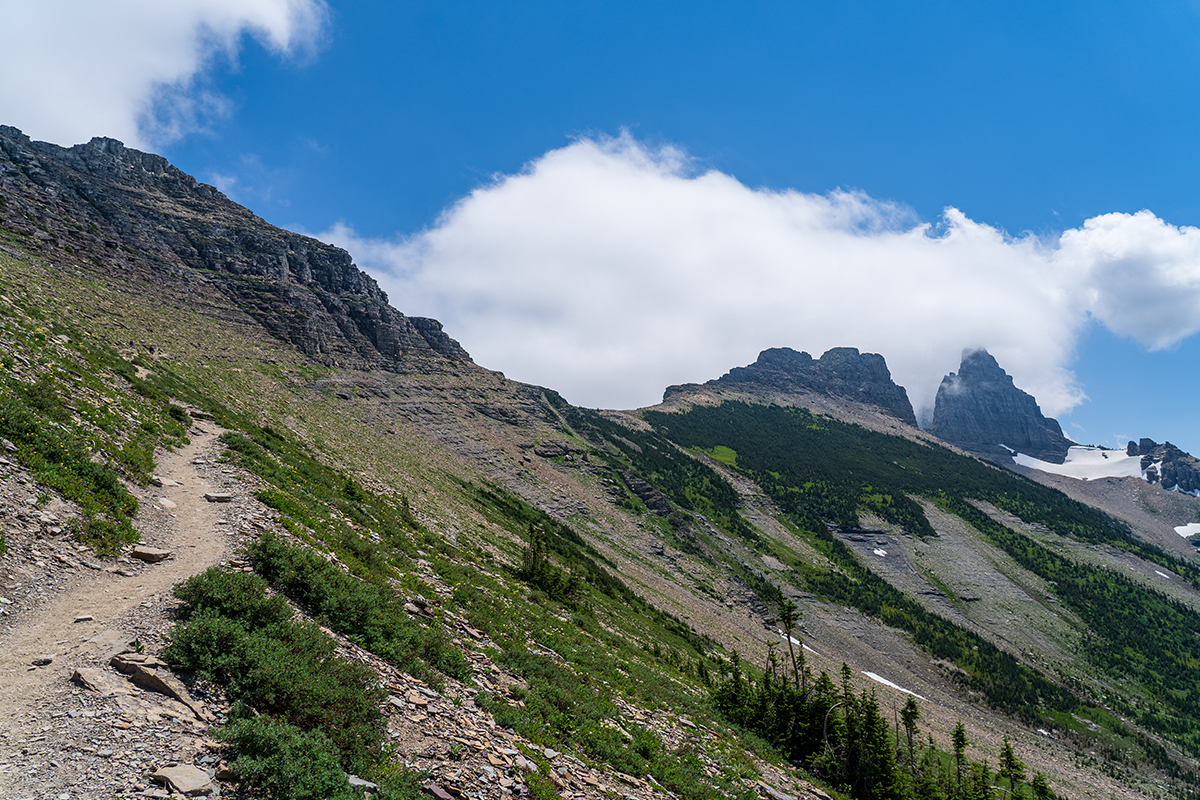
[297, 438]
[404, 467]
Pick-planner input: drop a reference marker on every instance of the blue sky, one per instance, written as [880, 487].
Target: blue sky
[610, 197]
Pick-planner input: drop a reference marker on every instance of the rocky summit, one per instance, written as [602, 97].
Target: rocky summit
[982, 411]
[116, 208]
[842, 372]
[1167, 464]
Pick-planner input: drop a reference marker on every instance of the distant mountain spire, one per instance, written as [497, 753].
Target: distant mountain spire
[982, 411]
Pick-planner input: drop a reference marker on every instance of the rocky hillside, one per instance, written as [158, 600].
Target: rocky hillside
[842, 373]
[118, 209]
[982, 411]
[555, 600]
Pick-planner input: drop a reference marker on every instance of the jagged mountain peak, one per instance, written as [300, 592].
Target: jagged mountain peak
[981, 365]
[981, 410]
[116, 210]
[841, 372]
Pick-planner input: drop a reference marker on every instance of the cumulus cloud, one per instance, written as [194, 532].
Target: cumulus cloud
[133, 69]
[1142, 275]
[608, 270]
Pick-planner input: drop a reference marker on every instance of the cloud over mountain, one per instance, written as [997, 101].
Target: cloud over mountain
[133, 69]
[609, 269]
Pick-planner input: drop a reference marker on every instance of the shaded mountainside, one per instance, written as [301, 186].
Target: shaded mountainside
[120, 209]
[982, 411]
[841, 372]
[628, 590]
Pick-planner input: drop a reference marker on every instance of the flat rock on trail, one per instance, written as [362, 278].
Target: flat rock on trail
[174, 517]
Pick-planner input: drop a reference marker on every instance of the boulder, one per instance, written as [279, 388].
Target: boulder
[185, 779]
[152, 674]
[103, 683]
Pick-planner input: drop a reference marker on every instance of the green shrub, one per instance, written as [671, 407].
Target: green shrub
[240, 596]
[107, 536]
[136, 456]
[210, 644]
[234, 634]
[59, 460]
[285, 762]
[43, 398]
[369, 614]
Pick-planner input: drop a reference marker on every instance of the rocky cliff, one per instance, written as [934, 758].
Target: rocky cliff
[1167, 465]
[842, 372]
[110, 207]
[982, 411]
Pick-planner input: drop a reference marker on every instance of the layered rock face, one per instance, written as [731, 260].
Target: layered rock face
[1167, 465]
[110, 207]
[982, 411]
[841, 372]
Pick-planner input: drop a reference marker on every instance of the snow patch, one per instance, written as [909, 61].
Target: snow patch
[880, 553]
[1191, 529]
[1165, 575]
[886, 682]
[1086, 463]
[797, 642]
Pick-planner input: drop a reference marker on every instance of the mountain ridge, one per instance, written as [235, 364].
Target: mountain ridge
[841, 372]
[101, 198]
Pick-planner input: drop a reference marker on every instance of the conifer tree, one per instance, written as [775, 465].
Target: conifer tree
[1041, 787]
[789, 615]
[980, 785]
[909, 716]
[1011, 767]
[960, 750]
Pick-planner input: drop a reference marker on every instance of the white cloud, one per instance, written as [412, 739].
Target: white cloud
[133, 69]
[1142, 275]
[609, 270]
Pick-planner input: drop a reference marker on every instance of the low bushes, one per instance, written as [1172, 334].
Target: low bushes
[232, 633]
[285, 762]
[369, 614]
[58, 460]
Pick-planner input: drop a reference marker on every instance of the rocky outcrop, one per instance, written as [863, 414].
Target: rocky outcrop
[842, 372]
[103, 206]
[982, 411]
[1167, 465]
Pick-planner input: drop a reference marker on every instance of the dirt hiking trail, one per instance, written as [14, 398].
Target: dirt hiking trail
[78, 625]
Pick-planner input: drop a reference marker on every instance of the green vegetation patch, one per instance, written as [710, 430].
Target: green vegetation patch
[369, 614]
[830, 472]
[334, 507]
[82, 423]
[234, 634]
[725, 455]
[301, 715]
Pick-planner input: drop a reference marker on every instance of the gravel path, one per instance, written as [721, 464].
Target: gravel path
[71, 609]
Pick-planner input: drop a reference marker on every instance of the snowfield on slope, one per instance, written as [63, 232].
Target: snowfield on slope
[1086, 463]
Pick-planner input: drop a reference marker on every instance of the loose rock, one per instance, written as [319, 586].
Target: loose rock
[185, 779]
[150, 555]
